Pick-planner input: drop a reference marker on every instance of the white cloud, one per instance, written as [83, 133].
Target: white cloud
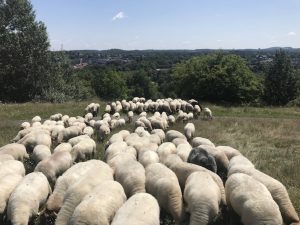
[119, 16]
[292, 33]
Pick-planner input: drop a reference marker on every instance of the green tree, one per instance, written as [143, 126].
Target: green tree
[24, 55]
[110, 84]
[281, 85]
[216, 77]
[139, 84]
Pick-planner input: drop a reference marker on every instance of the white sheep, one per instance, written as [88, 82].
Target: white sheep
[63, 147]
[163, 184]
[251, 200]
[67, 179]
[76, 193]
[8, 184]
[18, 151]
[55, 165]
[40, 152]
[26, 199]
[11, 167]
[104, 200]
[201, 141]
[84, 150]
[88, 131]
[189, 130]
[131, 175]
[203, 197]
[207, 113]
[140, 209]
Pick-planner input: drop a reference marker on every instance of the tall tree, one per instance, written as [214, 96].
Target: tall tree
[24, 51]
[281, 80]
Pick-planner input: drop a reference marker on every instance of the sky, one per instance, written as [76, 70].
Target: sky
[170, 24]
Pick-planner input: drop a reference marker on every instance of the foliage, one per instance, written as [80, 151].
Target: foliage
[109, 84]
[63, 84]
[139, 84]
[24, 54]
[217, 77]
[281, 82]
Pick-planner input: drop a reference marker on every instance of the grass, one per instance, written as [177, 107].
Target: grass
[269, 136]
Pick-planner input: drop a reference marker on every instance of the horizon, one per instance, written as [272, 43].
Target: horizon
[170, 25]
[198, 49]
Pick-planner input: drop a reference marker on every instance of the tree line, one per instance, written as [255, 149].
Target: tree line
[30, 71]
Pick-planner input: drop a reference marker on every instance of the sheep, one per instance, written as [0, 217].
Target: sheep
[115, 138]
[148, 157]
[197, 111]
[140, 209]
[162, 183]
[189, 130]
[146, 122]
[83, 150]
[75, 140]
[251, 200]
[67, 179]
[229, 151]
[201, 141]
[5, 157]
[131, 175]
[114, 149]
[63, 147]
[26, 199]
[120, 158]
[158, 123]
[24, 125]
[160, 133]
[104, 200]
[171, 119]
[11, 167]
[35, 138]
[183, 151]
[104, 131]
[55, 165]
[18, 151]
[139, 123]
[56, 117]
[116, 116]
[55, 131]
[36, 119]
[165, 149]
[40, 152]
[124, 133]
[76, 193]
[8, 184]
[130, 116]
[178, 141]
[207, 114]
[203, 197]
[88, 131]
[183, 170]
[220, 158]
[202, 158]
[154, 138]
[68, 133]
[276, 188]
[172, 134]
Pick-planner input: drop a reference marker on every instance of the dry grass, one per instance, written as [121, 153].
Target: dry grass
[270, 137]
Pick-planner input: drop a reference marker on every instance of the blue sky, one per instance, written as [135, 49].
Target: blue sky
[170, 24]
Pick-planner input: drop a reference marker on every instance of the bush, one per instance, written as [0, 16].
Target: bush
[217, 77]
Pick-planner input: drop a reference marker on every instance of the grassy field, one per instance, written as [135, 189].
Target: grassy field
[270, 137]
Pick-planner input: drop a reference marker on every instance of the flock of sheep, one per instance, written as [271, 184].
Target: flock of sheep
[142, 172]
